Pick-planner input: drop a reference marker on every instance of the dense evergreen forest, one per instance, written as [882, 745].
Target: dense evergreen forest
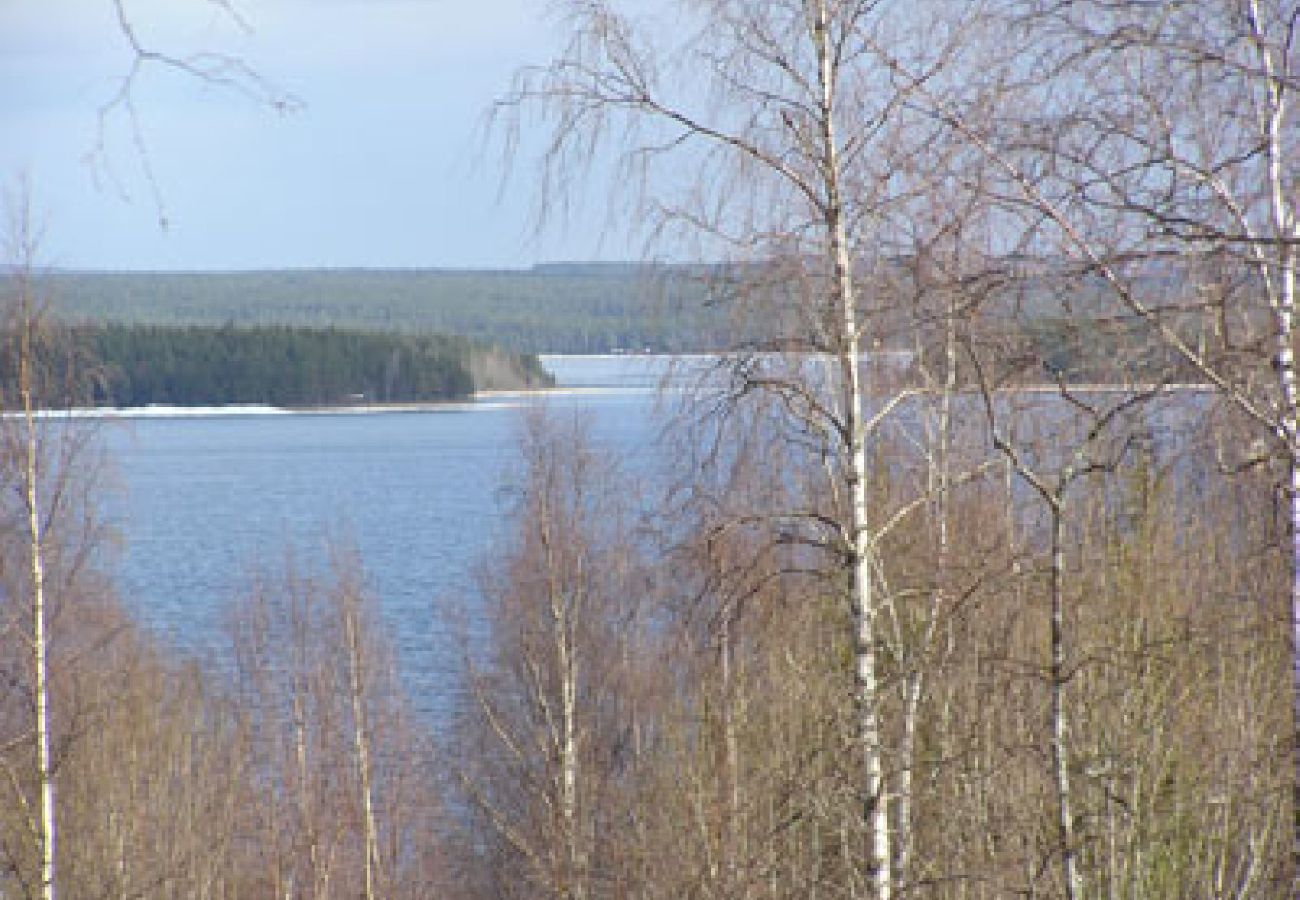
[577, 308]
[547, 309]
[285, 366]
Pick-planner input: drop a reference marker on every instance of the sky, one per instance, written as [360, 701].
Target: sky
[385, 164]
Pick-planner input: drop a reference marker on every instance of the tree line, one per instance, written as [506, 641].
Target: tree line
[556, 309]
[139, 365]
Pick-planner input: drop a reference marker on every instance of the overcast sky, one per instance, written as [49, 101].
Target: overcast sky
[383, 166]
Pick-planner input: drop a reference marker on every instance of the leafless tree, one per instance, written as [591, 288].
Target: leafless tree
[40, 482]
[222, 70]
[549, 728]
[26, 322]
[1160, 162]
[344, 771]
[805, 155]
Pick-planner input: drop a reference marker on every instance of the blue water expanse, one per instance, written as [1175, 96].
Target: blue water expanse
[208, 500]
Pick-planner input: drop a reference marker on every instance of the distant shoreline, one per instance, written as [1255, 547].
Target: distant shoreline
[496, 399]
[482, 400]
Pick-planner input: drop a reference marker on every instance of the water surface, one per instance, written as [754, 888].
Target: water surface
[423, 496]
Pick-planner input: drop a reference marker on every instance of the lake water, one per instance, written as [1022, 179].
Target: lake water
[208, 499]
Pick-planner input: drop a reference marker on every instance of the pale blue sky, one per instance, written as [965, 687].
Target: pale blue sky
[384, 166]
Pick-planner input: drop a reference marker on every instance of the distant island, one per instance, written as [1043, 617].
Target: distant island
[141, 365]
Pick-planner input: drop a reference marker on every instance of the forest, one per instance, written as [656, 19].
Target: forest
[547, 309]
[284, 366]
[971, 573]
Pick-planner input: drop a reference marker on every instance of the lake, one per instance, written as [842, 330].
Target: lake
[208, 499]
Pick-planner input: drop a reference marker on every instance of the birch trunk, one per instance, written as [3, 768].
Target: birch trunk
[1287, 230]
[876, 807]
[939, 483]
[731, 761]
[361, 737]
[572, 883]
[575, 878]
[1290, 424]
[1060, 724]
[40, 637]
[306, 818]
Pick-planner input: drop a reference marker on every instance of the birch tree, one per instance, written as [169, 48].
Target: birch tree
[1095, 449]
[1160, 161]
[23, 326]
[58, 617]
[802, 152]
[545, 739]
[48, 462]
[345, 795]
[1203, 106]
[359, 688]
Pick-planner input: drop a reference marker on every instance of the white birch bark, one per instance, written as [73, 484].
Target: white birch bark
[1053, 494]
[939, 478]
[866, 690]
[574, 878]
[40, 655]
[1243, 204]
[563, 608]
[361, 736]
[1066, 844]
[731, 757]
[806, 146]
[1287, 230]
[40, 635]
